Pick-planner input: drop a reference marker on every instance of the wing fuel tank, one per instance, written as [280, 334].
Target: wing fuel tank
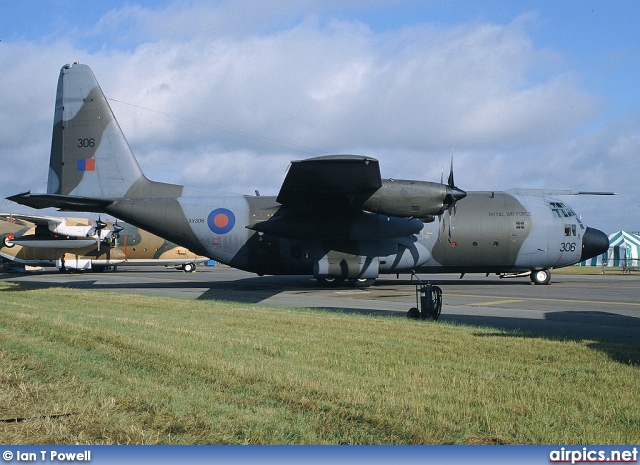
[35, 242]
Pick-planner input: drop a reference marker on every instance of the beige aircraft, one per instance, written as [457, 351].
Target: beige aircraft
[85, 244]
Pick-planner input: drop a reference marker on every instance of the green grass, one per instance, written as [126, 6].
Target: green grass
[595, 270]
[93, 367]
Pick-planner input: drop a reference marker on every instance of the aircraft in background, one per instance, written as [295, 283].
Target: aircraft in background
[85, 244]
[334, 217]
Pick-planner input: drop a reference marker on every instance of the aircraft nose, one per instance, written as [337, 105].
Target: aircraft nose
[594, 243]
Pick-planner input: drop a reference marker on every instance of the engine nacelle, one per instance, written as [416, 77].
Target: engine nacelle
[71, 231]
[417, 199]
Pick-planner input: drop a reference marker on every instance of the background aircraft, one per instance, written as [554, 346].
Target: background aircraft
[84, 244]
[334, 217]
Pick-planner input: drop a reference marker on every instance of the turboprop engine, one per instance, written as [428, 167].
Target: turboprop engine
[418, 199]
[64, 229]
[337, 181]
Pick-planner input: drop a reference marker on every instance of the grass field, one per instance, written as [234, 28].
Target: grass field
[92, 367]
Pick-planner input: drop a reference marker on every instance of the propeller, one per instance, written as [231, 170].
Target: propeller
[450, 201]
[116, 229]
[98, 226]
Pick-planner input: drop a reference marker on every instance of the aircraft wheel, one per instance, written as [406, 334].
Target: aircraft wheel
[540, 277]
[189, 267]
[413, 313]
[330, 282]
[362, 282]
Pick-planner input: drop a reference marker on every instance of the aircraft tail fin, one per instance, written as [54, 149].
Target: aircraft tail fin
[90, 156]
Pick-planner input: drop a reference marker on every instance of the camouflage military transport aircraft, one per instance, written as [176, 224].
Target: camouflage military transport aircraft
[84, 244]
[334, 217]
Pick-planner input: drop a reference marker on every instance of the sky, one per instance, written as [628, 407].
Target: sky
[222, 95]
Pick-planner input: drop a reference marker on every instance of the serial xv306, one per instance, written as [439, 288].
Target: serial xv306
[334, 217]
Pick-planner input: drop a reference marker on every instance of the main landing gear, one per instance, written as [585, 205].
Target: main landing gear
[428, 302]
[331, 282]
[189, 267]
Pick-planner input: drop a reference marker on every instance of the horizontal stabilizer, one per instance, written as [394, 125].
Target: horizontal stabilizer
[61, 202]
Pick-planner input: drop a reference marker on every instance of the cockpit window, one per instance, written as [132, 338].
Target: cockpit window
[562, 210]
[569, 230]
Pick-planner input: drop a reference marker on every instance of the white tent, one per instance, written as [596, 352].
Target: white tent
[623, 251]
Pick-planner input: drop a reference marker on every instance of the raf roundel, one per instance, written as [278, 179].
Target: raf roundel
[221, 220]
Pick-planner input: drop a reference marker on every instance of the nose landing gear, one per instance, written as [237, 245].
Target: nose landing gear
[540, 277]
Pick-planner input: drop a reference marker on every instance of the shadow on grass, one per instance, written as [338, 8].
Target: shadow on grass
[624, 353]
[559, 326]
[24, 287]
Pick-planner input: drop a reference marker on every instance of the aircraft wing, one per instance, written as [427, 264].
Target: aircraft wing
[62, 202]
[339, 180]
[31, 220]
[323, 197]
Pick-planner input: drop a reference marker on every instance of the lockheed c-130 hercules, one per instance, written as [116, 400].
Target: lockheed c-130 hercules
[83, 244]
[334, 217]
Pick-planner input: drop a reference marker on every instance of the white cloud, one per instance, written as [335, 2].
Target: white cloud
[238, 94]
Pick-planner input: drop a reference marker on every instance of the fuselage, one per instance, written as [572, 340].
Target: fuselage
[489, 232]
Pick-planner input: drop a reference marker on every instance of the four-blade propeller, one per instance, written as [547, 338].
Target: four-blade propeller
[450, 201]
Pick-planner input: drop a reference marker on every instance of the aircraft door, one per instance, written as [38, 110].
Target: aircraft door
[517, 227]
